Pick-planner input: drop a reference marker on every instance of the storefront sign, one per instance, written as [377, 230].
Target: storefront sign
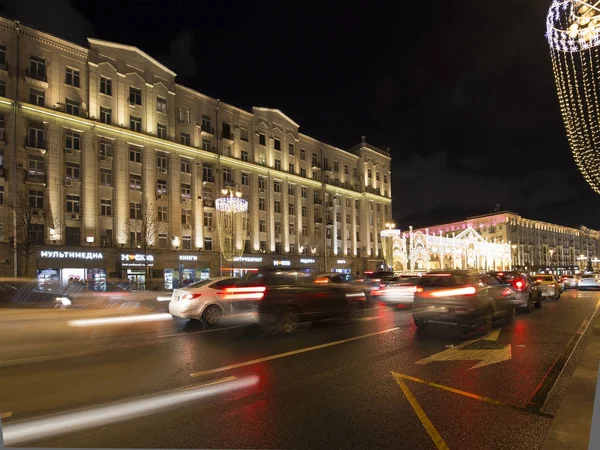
[282, 263]
[248, 259]
[188, 258]
[341, 261]
[136, 260]
[70, 255]
[307, 261]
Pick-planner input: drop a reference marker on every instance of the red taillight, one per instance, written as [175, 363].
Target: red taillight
[418, 289]
[245, 293]
[190, 296]
[470, 290]
[519, 284]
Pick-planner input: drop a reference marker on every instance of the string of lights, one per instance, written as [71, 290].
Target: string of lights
[232, 223]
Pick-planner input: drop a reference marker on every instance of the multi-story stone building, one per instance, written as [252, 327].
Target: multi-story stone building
[535, 245]
[95, 137]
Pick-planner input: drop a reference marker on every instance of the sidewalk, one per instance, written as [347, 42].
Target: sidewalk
[572, 423]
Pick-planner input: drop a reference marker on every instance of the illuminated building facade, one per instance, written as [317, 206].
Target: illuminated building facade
[527, 244]
[95, 136]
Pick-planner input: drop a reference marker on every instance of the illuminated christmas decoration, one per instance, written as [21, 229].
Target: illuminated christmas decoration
[573, 32]
[232, 224]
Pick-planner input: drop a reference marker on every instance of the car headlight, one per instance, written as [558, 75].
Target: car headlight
[63, 301]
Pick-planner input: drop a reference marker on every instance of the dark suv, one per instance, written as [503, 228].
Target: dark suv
[527, 292]
[462, 297]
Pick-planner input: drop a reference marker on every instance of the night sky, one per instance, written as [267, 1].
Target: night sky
[462, 92]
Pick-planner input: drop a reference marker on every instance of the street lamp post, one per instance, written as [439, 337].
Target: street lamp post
[232, 224]
[551, 251]
[514, 258]
[387, 243]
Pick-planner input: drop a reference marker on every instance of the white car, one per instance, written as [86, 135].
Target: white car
[589, 281]
[202, 300]
[549, 286]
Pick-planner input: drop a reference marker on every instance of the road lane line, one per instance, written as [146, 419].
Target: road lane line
[537, 402]
[98, 416]
[137, 318]
[195, 332]
[5, 415]
[291, 353]
[433, 433]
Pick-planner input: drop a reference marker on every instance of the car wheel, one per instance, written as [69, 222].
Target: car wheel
[287, 322]
[511, 315]
[422, 324]
[487, 325]
[211, 315]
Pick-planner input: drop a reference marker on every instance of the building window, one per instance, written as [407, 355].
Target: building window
[106, 238]
[277, 228]
[303, 172]
[278, 248]
[187, 242]
[106, 147]
[304, 192]
[135, 154]
[36, 169]
[3, 57]
[336, 166]
[135, 123]
[227, 175]
[277, 164]
[326, 179]
[185, 165]
[106, 177]
[1, 195]
[163, 243]
[73, 107]
[185, 139]
[161, 162]
[245, 179]
[207, 173]
[135, 210]
[37, 68]
[370, 173]
[262, 226]
[208, 244]
[277, 144]
[72, 140]
[184, 115]
[291, 150]
[385, 179]
[73, 203]
[262, 139]
[277, 206]
[73, 236]
[105, 86]
[105, 115]
[72, 171]
[291, 209]
[354, 173]
[261, 204]
[291, 189]
[277, 186]
[135, 182]
[261, 183]
[186, 216]
[36, 97]
[135, 96]
[244, 156]
[291, 168]
[206, 124]
[161, 104]
[292, 228]
[304, 211]
[206, 145]
[208, 219]
[377, 176]
[135, 239]
[161, 131]
[186, 191]
[72, 77]
[163, 213]
[105, 207]
[36, 199]
[161, 187]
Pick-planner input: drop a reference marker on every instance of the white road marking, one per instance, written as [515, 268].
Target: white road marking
[291, 353]
[119, 320]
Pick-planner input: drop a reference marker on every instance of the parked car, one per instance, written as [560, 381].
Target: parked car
[570, 281]
[204, 300]
[462, 297]
[589, 281]
[397, 293]
[527, 293]
[549, 286]
[279, 299]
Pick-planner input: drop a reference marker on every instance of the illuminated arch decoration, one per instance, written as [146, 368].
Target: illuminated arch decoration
[400, 258]
[419, 255]
[232, 225]
[573, 32]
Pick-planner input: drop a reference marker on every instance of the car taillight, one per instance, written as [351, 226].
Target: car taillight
[470, 290]
[519, 284]
[322, 280]
[190, 296]
[419, 289]
[245, 293]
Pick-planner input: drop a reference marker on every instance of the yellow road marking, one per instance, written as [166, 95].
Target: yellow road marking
[433, 433]
[5, 415]
[294, 352]
[493, 336]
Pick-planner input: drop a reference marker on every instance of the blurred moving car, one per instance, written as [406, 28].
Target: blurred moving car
[589, 281]
[527, 292]
[570, 281]
[397, 293]
[204, 300]
[549, 286]
[373, 281]
[462, 297]
[279, 299]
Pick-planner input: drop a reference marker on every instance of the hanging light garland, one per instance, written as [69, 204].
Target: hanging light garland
[573, 32]
[387, 243]
[232, 224]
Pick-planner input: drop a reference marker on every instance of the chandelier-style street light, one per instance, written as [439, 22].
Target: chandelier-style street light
[573, 31]
[388, 238]
[232, 222]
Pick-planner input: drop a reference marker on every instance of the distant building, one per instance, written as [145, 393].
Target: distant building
[102, 131]
[535, 245]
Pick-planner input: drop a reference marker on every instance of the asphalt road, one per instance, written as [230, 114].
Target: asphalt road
[374, 383]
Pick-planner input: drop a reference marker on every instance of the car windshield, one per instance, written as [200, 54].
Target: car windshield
[508, 277]
[443, 280]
